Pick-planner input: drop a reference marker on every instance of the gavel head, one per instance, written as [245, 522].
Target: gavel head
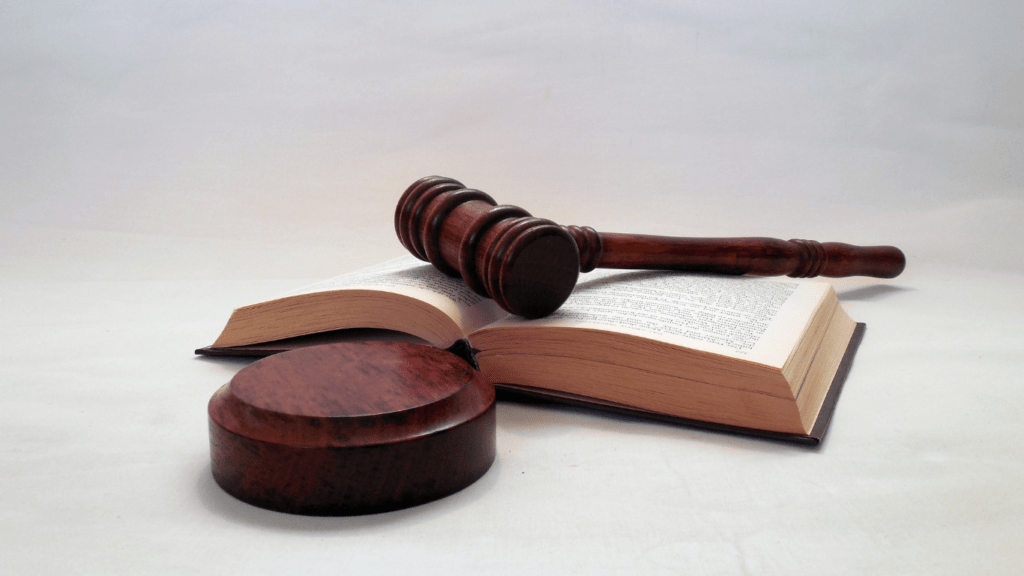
[528, 265]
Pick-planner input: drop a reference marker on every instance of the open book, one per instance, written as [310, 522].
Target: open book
[751, 355]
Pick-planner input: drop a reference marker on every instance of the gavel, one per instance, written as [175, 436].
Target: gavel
[529, 266]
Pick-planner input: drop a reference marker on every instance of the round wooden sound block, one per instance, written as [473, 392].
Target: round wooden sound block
[353, 428]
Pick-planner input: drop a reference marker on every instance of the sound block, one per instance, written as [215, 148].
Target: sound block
[352, 428]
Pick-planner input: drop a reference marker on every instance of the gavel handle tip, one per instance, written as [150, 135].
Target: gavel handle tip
[873, 261]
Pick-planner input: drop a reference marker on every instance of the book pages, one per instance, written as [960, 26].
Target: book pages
[417, 279]
[756, 319]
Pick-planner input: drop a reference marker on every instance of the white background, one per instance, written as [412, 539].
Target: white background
[163, 163]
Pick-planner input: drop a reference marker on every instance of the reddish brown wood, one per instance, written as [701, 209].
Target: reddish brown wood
[529, 266]
[757, 256]
[352, 428]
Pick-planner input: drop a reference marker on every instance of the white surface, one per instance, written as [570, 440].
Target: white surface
[165, 163]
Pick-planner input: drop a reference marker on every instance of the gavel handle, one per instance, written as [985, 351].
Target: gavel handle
[755, 256]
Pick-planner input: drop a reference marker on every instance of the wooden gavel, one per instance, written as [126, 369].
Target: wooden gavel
[529, 266]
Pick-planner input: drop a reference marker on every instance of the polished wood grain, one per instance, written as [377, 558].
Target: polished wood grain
[529, 265]
[352, 428]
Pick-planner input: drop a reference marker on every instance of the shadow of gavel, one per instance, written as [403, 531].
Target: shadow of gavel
[529, 265]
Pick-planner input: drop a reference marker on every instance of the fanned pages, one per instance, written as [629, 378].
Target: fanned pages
[746, 353]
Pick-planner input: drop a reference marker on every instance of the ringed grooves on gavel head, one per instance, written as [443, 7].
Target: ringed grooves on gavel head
[529, 265]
